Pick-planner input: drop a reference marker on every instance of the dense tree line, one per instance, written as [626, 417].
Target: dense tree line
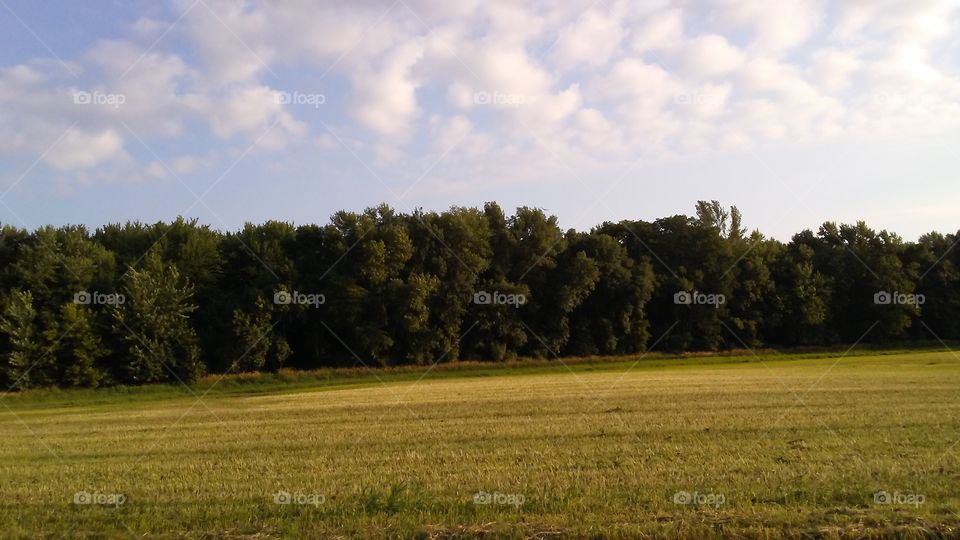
[136, 303]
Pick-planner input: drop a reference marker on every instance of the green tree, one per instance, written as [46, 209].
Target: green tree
[24, 346]
[612, 319]
[497, 331]
[558, 278]
[754, 293]
[154, 321]
[799, 313]
[79, 349]
[937, 259]
[363, 281]
[258, 347]
[450, 251]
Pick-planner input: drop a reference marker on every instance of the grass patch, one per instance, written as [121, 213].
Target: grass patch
[795, 445]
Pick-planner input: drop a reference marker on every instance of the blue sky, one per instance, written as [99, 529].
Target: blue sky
[236, 111]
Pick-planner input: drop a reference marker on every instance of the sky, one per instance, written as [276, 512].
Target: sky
[798, 111]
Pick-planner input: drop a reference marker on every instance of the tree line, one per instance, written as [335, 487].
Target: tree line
[138, 303]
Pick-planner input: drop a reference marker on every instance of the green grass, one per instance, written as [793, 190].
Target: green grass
[791, 445]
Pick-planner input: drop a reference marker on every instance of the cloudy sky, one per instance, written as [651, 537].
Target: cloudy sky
[234, 111]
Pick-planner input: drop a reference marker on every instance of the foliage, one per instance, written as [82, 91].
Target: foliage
[155, 325]
[384, 288]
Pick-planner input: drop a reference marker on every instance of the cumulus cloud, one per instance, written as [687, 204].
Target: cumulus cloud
[773, 29]
[592, 83]
[833, 69]
[711, 55]
[78, 149]
[385, 96]
[247, 110]
[659, 31]
[591, 39]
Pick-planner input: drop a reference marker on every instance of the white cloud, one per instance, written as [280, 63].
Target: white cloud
[833, 69]
[151, 85]
[632, 78]
[659, 31]
[919, 21]
[254, 111]
[188, 164]
[597, 133]
[505, 69]
[773, 28]
[592, 39]
[592, 83]
[78, 149]
[385, 98]
[156, 169]
[710, 56]
[230, 37]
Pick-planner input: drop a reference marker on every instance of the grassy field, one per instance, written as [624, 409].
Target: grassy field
[679, 448]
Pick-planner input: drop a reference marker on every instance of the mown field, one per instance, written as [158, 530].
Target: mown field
[730, 447]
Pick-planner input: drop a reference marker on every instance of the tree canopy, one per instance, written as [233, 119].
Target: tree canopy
[137, 303]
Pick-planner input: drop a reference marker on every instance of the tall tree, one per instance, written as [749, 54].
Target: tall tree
[80, 351]
[154, 322]
[612, 319]
[24, 349]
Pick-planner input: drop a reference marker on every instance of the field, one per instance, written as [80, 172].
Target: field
[737, 446]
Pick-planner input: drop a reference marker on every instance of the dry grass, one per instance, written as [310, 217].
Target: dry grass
[788, 448]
